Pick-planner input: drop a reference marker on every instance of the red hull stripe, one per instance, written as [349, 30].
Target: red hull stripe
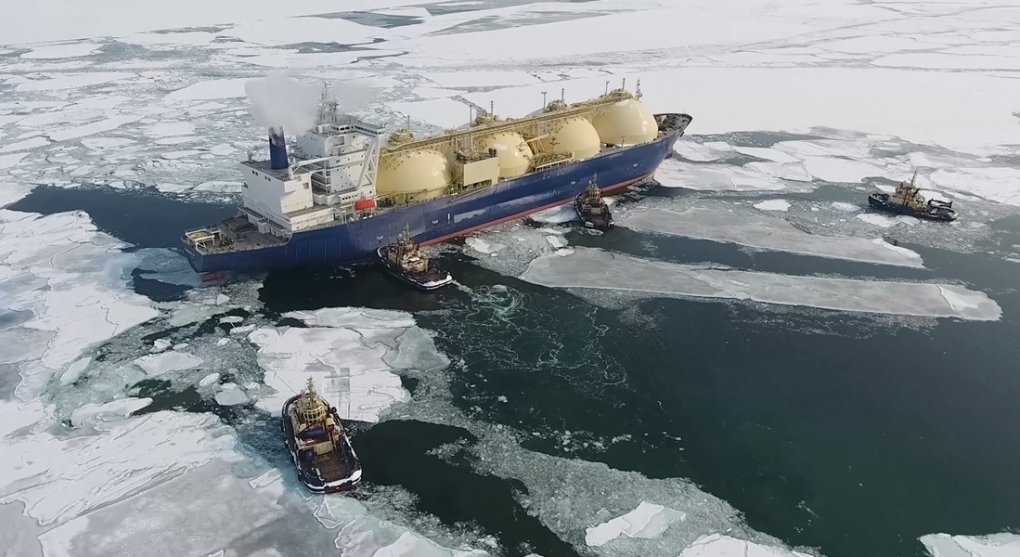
[466, 231]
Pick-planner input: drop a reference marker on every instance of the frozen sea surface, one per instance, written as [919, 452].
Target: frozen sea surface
[107, 93]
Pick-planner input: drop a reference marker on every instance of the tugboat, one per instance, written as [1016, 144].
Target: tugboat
[907, 200]
[405, 260]
[593, 210]
[324, 457]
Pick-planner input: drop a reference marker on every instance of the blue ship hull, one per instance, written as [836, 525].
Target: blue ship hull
[448, 217]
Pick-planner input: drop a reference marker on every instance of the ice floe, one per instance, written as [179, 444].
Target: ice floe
[773, 205]
[60, 478]
[760, 231]
[721, 545]
[847, 207]
[350, 353]
[675, 174]
[58, 51]
[995, 545]
[166, 362]
[995, 184]
[212, 89]
[69, 276]
[589, 268]
[231, 395]
[121, 408]
[648, 520]
[71, 81]
[363, 535]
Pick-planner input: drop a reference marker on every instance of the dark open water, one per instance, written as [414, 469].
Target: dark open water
[845, 432]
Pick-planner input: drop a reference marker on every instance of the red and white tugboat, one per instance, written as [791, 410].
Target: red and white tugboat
[323, 455]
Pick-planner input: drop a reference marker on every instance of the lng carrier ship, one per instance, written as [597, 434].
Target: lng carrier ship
[338, 193]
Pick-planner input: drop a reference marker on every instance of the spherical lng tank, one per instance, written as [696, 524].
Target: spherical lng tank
[626, 122]
[420, 174]
[512, 151]
[572, 135]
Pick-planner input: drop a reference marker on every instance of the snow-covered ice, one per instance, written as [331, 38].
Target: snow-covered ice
[212, 89]
[167, 362]
[589, 268]
[648, 520]
[351, 354]
[231, 395]
[773, 205]
[721, 545]
[121, 407]
[765, 232]
[995, 545]
[58, 51]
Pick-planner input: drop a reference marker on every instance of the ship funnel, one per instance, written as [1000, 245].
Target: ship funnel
[277, 149]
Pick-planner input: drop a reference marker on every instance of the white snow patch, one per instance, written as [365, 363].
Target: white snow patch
[648, 520]
[773, 205]
[209, 379]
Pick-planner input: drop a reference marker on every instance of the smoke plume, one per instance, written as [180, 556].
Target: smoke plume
[282, 101]
[353, 96]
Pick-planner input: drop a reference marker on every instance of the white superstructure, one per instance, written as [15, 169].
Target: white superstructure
[330, 178]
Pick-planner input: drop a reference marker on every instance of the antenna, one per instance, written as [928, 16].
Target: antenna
[408, 122]
[637, 93]
[607, 87]
[624, 84]
[563, 93]
[492, 108]
[543, 100]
